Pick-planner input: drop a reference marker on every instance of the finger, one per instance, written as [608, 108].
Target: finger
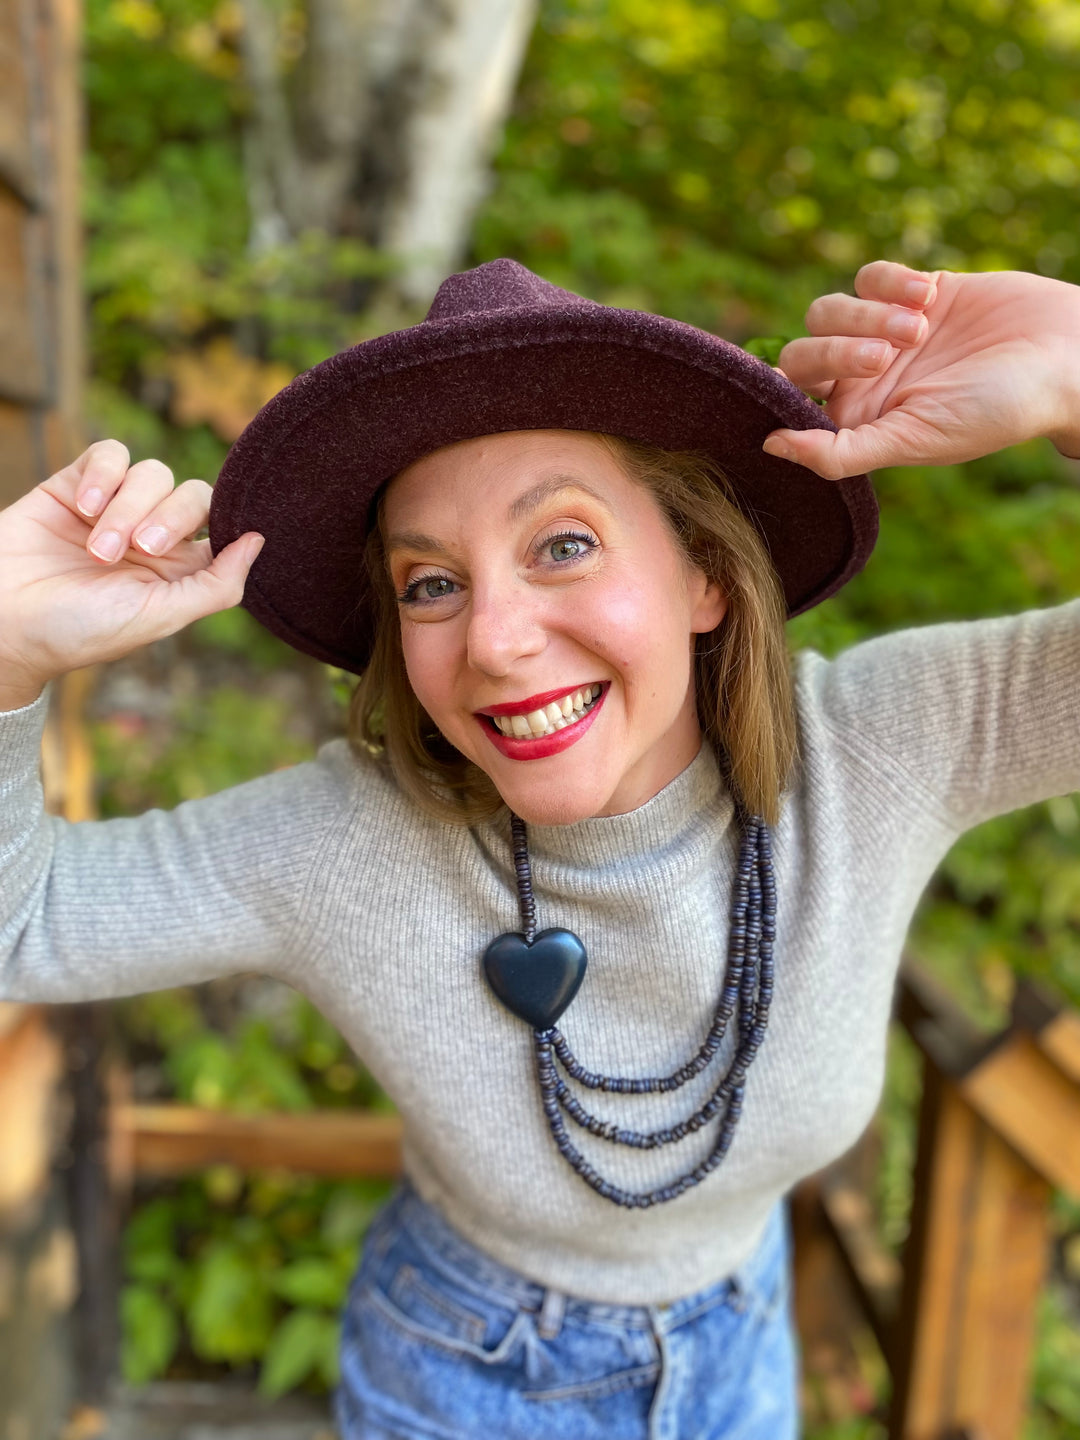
[219, 586]
[143, 487]
[90, 481]
[814, 364]
[836, 455]
[179, 515]
[885, 280]
[844, 315]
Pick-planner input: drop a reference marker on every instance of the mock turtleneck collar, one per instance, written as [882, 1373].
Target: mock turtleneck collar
[698, 792]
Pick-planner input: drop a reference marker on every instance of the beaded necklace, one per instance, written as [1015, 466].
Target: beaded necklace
[536, 976]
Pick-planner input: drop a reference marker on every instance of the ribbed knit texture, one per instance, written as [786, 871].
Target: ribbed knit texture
[324, 875]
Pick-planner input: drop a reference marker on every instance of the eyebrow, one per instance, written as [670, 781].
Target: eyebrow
[522, 507]
[545, 490]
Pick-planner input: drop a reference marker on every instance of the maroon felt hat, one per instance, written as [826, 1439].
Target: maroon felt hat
[502, 349]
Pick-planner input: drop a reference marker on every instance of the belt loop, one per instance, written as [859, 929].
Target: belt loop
[551, 1314]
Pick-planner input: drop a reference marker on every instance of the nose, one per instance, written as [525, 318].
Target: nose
[505, 626]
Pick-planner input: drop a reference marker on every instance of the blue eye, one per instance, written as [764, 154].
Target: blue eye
[568, 547]
[426, 588]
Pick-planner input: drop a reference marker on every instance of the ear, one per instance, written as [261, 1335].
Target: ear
[709, 604]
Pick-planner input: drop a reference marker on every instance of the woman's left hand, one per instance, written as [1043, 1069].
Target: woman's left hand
[990, 360]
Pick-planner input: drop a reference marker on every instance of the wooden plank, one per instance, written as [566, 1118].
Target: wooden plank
[874, 1272]
[1008, 1243]
[924, 1358]
[1055, 1025]
[94, 1214]
[16, 161]
[64, 434]
[23, 375]
[1032, 1103]
[973, 1266]
[11, 1017]
[22, 450]
[29, 1068]
[1059, 1041]
[828, 1315]
[176, 1139]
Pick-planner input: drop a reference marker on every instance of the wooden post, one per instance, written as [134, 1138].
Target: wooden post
[973, 1267]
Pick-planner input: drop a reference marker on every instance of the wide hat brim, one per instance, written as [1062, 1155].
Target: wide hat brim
[305, 471]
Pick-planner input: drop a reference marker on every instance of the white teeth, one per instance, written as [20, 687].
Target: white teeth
[555, 716]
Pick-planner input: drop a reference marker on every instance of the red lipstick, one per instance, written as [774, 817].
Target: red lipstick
[533, 702]
[539, 749]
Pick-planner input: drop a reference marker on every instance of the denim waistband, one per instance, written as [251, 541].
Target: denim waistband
[445, 1246]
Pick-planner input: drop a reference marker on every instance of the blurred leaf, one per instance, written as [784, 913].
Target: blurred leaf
[300, 1345]
[150, 1333]
[312, 1282]
[231, 1309]
[221, 387]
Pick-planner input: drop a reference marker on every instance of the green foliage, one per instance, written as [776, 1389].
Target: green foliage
[803, 137]
[256, 1270]
[1055, 1412]
[305, 1343]
[228, 737]
[151, 1333]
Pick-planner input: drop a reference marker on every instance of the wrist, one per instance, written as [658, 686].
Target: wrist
[1067, 441]
[17, 694]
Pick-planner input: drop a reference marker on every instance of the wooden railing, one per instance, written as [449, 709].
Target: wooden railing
[999, 1129]
[954, 1315]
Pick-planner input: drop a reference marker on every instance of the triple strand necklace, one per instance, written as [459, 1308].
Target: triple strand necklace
[536, 976]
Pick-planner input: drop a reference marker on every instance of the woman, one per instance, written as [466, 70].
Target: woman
[547, 534]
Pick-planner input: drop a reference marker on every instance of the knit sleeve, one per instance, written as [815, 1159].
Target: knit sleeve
[97, 909]
[974, 717]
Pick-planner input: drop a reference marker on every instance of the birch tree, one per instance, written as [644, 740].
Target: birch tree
[383, 126]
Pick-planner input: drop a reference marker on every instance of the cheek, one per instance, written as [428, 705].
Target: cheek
[426, 667]
[644, 636]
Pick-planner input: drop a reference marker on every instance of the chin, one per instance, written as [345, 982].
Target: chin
[553, 804]
[553, 810]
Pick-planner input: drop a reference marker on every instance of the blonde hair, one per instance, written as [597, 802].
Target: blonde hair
[742, 676]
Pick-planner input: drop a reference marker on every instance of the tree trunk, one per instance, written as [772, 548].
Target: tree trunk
[385, 126]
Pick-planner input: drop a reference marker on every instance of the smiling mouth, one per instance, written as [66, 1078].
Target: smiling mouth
[547, 719]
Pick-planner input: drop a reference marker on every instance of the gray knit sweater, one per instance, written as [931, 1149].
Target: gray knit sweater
[324, 875]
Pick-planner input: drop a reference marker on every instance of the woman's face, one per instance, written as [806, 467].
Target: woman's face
[547, 620]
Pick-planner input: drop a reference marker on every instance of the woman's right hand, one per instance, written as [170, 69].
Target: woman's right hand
[66, 602]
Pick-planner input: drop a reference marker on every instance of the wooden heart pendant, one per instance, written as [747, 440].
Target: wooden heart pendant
[536, 982]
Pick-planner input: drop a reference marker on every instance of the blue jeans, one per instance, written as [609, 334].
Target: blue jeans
[441, 1342]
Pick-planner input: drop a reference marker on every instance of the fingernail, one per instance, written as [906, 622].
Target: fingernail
[90, 502]
[918, 292]
[107, 546]
[905, 327]
[872, 355]
[154, 539]
[780, 448]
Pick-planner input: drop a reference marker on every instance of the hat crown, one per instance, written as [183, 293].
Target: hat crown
[499, 285]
